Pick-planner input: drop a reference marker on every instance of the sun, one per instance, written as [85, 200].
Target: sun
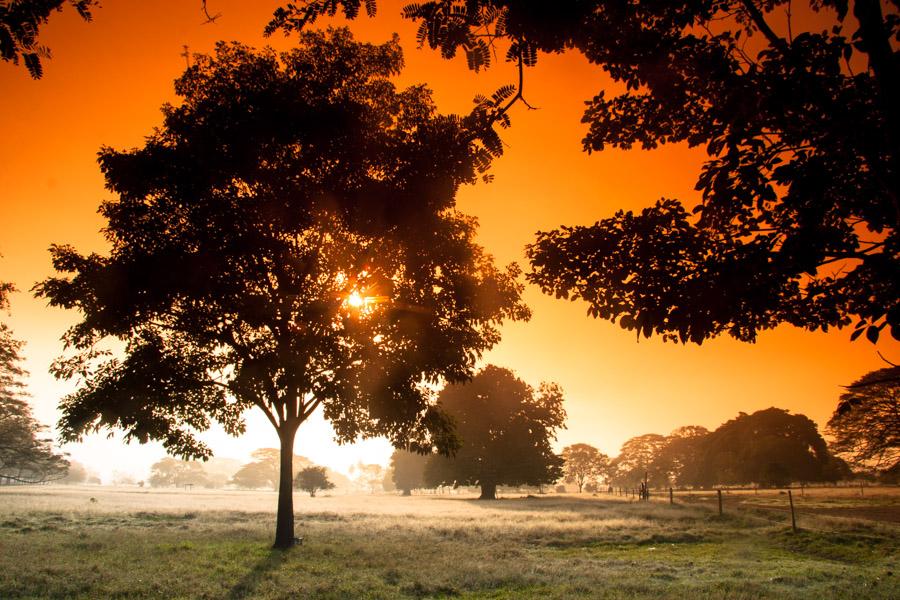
[356, 300]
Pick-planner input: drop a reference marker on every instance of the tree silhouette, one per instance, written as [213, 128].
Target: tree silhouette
[505, 427]
[636, 460]
[769, 447]
[799, 212]
[408, 470]
[866, 423]
[583, 464]
[312, 479]
[20, 21]
[680, 457]
[286, 240]
[169, 472]
[24, 456]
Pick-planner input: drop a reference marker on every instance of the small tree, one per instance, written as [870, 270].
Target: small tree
[866, 423]
[312, 479]
[583, 464]
[286, 240]
[506, 428]
[24, 456]
[408, 470]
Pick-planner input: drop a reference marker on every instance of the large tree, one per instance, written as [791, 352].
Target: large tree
[25, 456]
[770, 447]
[287, 239]
[170, 472]
[505, 428]
[866, 423]
[636, 461]
[798, 108]
[584, 464]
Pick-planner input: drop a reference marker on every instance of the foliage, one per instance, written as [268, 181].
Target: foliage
[584, 465]
[312, 479]
[866, 423]
[505, 427]
[770, 448]
[797, 109]
[679, 459]
[263, 472]
[20, 21]
[24, 457]
[408, 470]
[169, 472]
[286, 240]
[368, 477]
[636, 459]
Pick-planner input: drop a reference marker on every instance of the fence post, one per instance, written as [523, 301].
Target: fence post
[793, 517]
[671, 497]
[720, 502]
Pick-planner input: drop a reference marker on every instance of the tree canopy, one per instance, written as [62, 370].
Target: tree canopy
[505, 428]
[25, 456]
[287, 239]
[797, 109]
[170, 472]
[584, 464]
[866, 423]
[408, 470]
[313, 479]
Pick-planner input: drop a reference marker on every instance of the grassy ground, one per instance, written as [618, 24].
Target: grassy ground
[57, 543]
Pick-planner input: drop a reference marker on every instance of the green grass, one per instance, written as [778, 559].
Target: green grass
[433, 547]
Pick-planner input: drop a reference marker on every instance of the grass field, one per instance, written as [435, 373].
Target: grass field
[131, 543]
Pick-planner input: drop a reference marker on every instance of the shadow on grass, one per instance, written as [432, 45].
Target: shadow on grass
[246, 587]
[531, 503]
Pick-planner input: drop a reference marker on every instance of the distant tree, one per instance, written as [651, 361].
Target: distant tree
[505, 427]
[866, 423]
[770, 448]
[368, 477]
[408, 469]
[635, 461]
[679, 458]
[20, 21]
[170, 472]
[583, 464]
[25, 456]
[76, 473]
[288, 240]
[312, 479]
[799, 216]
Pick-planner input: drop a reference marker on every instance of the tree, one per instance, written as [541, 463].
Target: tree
[368, 477]
[770, 448]
[20, 21]
[799, 119]
[312, 479]
[408, 470]
[678, 459]
[24, 457]
[287, 239]
[76, 474]
[505, 427]
[264, 470]
[169, 472]
[866, 423]
[583, 464]
[635, 461]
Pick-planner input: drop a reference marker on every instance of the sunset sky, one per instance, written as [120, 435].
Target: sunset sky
[105, 85]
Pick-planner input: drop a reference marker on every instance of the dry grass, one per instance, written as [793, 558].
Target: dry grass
[130, 543]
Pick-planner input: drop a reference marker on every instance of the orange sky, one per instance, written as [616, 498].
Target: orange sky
[105, 84]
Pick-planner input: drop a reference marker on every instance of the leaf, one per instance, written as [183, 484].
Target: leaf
[872, 334]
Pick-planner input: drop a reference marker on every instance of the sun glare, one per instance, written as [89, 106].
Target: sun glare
[356, 300]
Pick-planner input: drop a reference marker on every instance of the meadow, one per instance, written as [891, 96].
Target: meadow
[65, 542]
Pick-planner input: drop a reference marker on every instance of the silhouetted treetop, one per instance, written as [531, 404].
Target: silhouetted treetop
[866, 422]
[20, 21]
[797, 109]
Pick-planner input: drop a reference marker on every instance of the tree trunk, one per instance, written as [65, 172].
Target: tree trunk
[284, 522]
[488, 491]
[407, 492]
